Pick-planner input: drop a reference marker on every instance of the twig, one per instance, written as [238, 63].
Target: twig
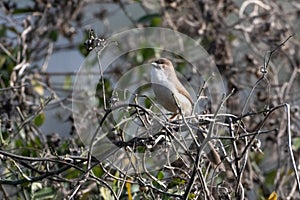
[199, 150]
[288, 115]
[13, 87]
[30, 118]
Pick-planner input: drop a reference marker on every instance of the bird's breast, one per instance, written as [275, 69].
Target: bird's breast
[165, 93]
[158, 77]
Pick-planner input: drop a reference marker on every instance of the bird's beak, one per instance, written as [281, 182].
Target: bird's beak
[154, 64]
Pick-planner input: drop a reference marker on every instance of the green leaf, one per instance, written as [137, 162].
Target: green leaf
[156, 21]
[152, 18]
[18, 143]
[37, 87]
[207, 41]
[296, 143]
[191, 196]
[144, 54]
[270, 177]
[176, 181]
[99, 93]
[147, 103]
[2, 61]
[67, 83]
[2, 31]
[160, 175]
[72, 173]
[231, 37]
[45, 193]
[141, 149]
[22, 11]
[53, 35]
[98, 171]
[40, 119]
[82, 49]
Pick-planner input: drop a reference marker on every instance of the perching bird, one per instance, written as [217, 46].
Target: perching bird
[172, 95]
[169, 91]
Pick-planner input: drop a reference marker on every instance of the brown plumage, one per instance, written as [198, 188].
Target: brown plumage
[166, 86]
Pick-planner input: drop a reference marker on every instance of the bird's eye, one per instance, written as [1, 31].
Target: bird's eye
[160, 62]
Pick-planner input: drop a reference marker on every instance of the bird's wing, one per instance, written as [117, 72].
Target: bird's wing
[184, 92]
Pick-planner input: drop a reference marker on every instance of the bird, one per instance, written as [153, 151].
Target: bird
[173, 96]
[169, 91]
